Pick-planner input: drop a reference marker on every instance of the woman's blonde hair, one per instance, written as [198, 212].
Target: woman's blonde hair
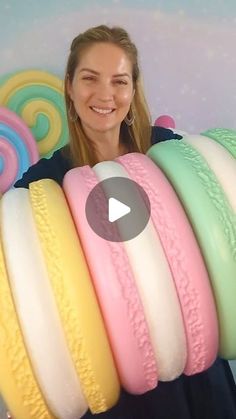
[136, 137]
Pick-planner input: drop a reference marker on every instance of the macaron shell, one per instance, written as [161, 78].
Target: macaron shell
[57, 232]
[158, 294]
[224, 136]
[18, 385]
[212, 222]
[36, 308]
[220, 161]
[185, 260]
[71, 283]
[116, 290]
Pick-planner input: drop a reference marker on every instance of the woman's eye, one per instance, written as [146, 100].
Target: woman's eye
[121, 82]
[88, 78]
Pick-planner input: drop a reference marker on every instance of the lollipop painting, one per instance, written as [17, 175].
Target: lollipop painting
[37, 97]
[18, 149]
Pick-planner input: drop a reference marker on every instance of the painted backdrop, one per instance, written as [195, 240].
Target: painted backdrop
[187, 49]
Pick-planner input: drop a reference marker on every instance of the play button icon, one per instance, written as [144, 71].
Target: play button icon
[117, 209]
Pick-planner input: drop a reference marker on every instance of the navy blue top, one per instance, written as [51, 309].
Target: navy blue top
[57, 166]
[209, 395]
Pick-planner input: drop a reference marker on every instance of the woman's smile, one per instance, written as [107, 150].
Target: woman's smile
[102, 111]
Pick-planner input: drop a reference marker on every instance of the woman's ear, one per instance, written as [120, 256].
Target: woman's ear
[69, 87]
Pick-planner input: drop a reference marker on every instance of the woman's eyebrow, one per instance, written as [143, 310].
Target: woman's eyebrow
[121, 75]
[90, 70]
[95, 72]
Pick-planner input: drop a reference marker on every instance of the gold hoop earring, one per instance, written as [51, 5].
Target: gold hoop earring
[74, 117]
[129, 121]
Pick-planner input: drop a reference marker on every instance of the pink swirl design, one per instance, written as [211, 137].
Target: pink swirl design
[18, 148]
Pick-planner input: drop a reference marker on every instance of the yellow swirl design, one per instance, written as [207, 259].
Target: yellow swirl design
[38, 97]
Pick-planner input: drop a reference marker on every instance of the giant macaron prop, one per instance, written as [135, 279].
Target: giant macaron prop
[200, 187]
[81, 316]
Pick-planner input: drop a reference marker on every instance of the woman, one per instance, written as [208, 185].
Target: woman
[106, 108]
[107, 117]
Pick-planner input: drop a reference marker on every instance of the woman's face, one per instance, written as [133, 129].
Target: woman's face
[102, 87]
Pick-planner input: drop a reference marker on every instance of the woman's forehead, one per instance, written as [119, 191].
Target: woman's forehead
[101, 57]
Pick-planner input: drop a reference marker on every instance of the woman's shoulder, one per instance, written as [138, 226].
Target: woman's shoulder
[56, 166]
[159, 134]
[53, 168]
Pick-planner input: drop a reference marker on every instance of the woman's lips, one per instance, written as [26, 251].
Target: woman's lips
[102, 111]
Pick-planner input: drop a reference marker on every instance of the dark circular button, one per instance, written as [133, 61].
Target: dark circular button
[118, 209]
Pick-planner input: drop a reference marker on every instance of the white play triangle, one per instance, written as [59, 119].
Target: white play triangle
[116, 209]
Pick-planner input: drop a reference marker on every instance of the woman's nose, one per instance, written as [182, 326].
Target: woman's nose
[105, 91]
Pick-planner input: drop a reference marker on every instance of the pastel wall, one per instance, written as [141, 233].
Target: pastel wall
[186, 49]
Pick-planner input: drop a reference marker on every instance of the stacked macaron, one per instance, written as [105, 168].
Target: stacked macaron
[81, 316]
[202, 172]
[55, 358]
